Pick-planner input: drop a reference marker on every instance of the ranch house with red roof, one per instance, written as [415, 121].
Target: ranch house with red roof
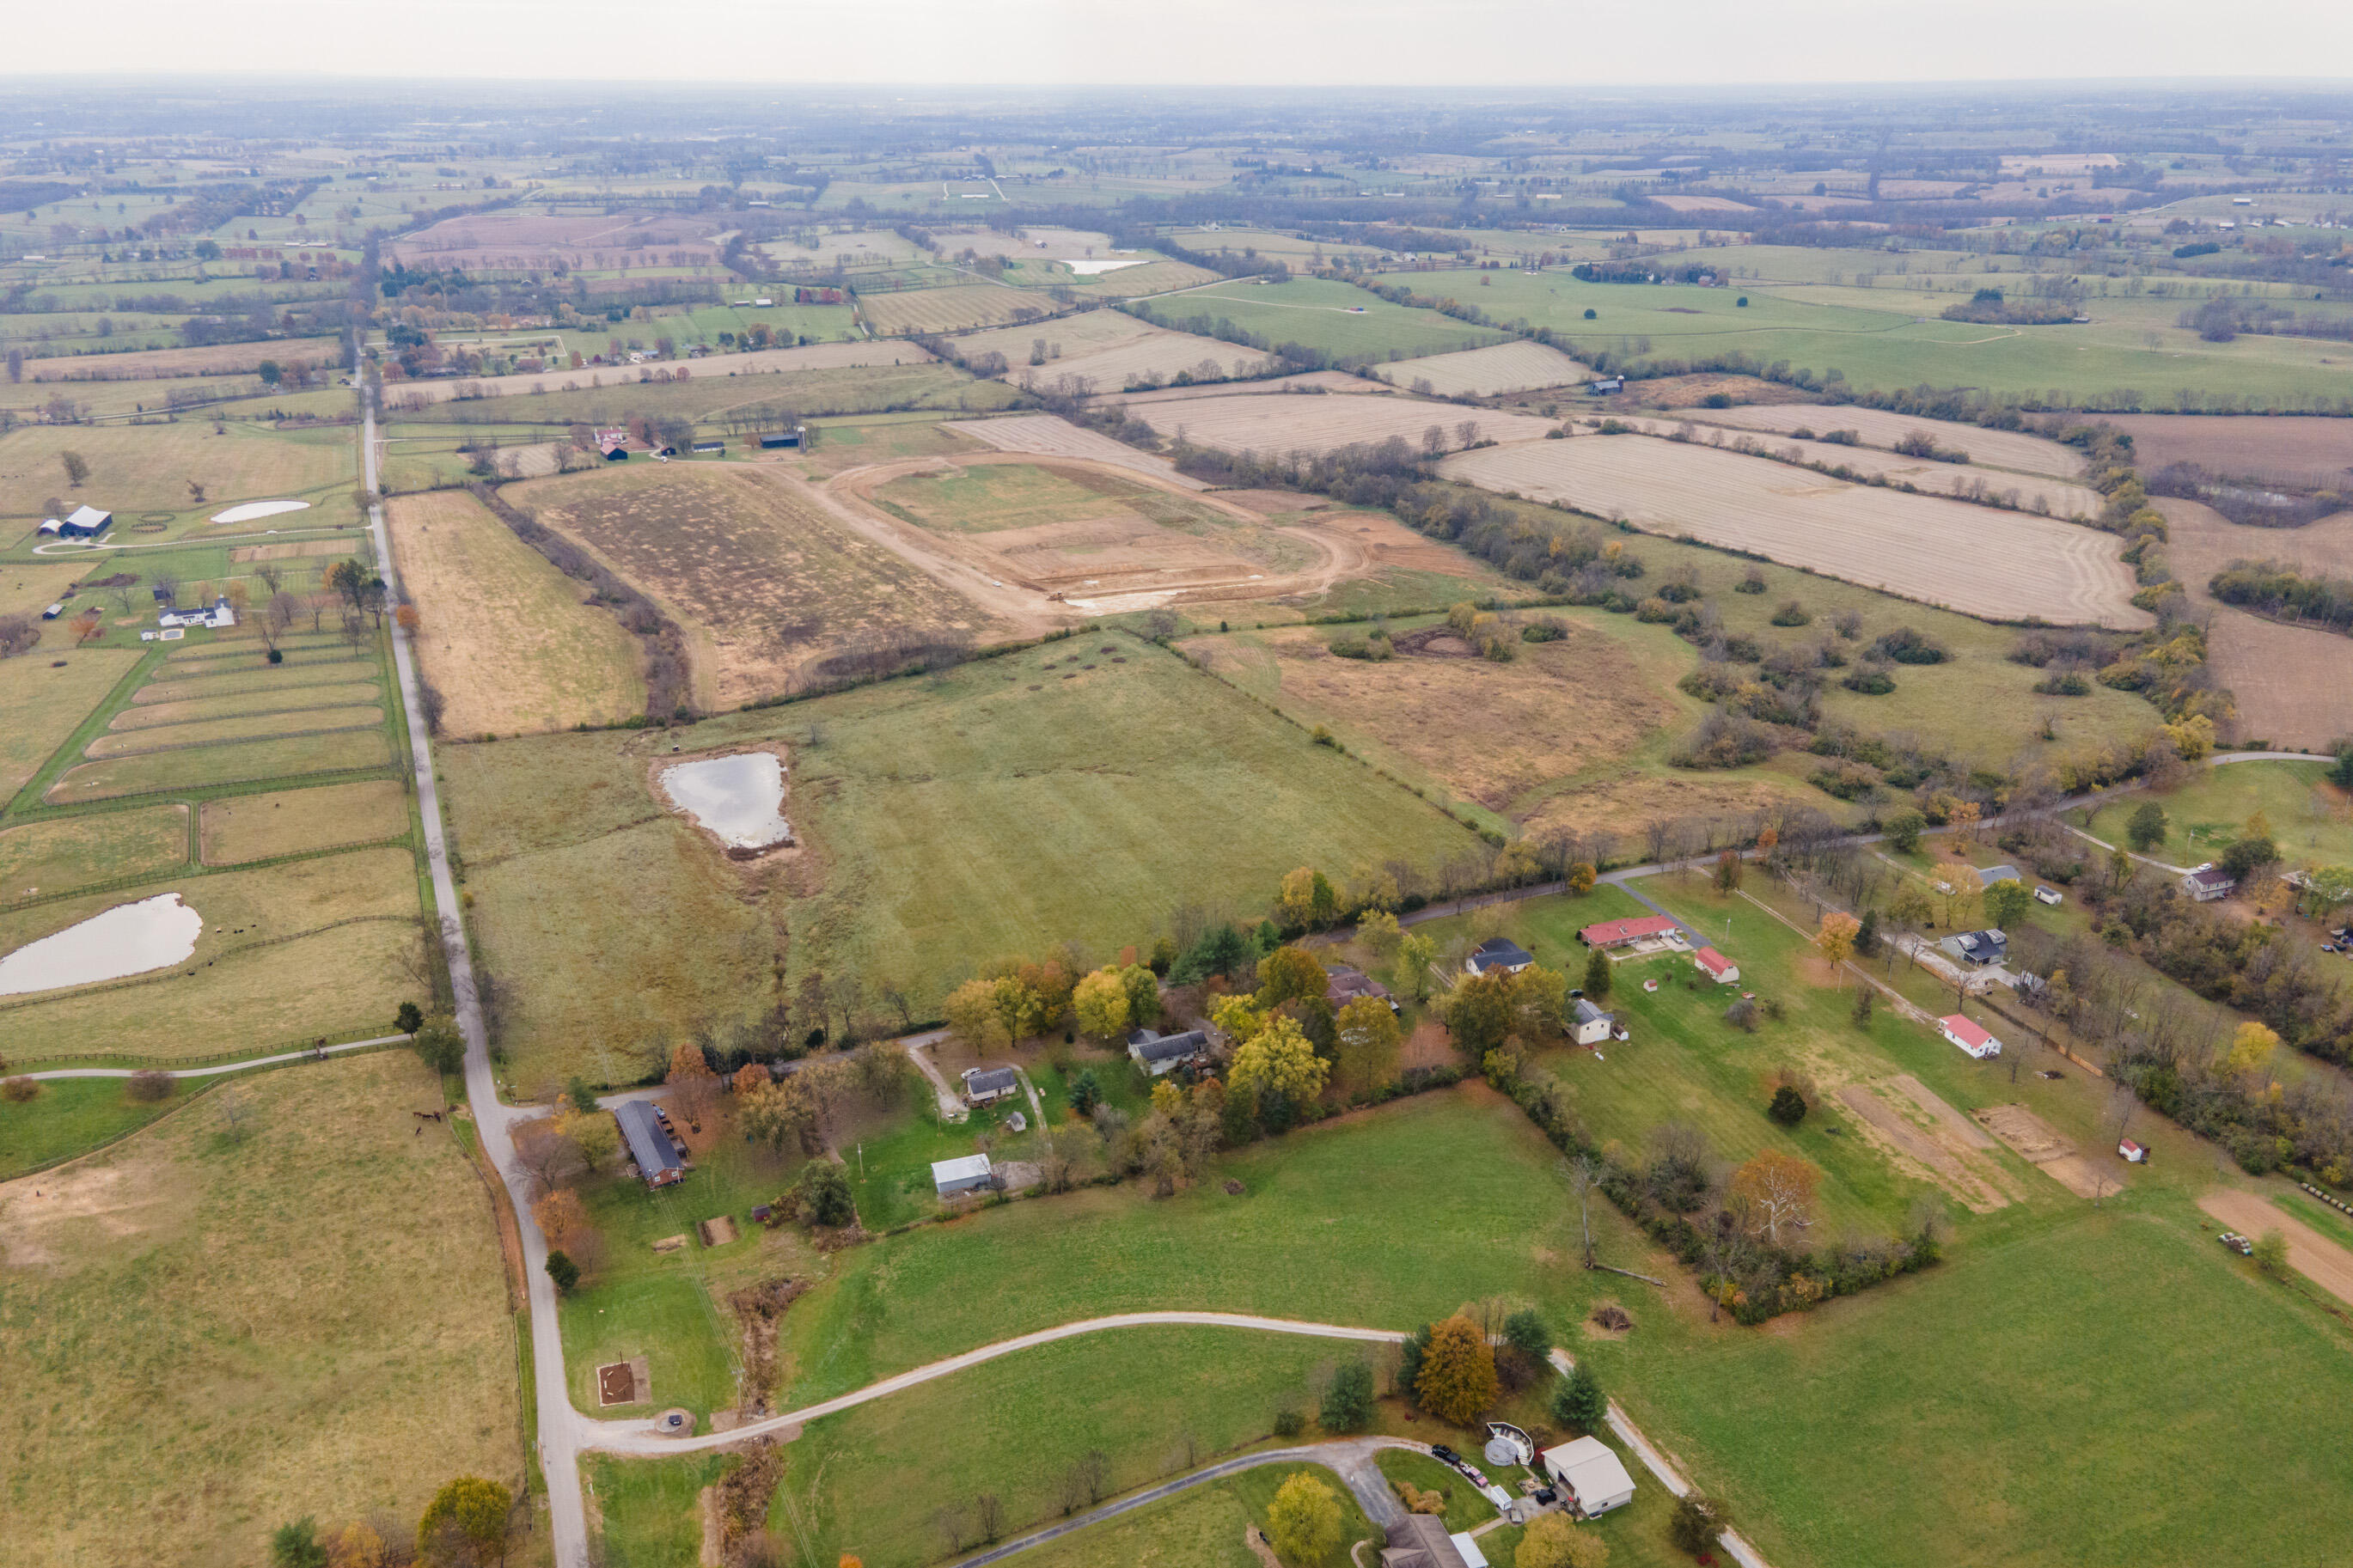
[1970, 1036]
[1618, 933]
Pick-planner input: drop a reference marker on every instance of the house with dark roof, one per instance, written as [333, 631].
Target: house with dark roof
[652, 1150]
[1157, 1054]
[986, 1086]
[1978, 947]
[1498, 952]
[2208, 882]
[1345, 985]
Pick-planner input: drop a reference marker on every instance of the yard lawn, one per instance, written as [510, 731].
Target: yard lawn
[285, 822]
[1023, 1421]
[72, 1116]
[146, 468]
[648, 1513]
[44, 705]
[172, 1299]
[1464, 1506]
[238, 762]
[2311, 819]
[506, 637]
[62, 853]
[289, 954]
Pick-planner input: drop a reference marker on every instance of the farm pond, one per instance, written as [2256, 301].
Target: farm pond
[738, 798]
[128, 939]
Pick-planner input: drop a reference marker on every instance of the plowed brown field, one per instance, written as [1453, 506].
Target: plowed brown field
[1976, 560]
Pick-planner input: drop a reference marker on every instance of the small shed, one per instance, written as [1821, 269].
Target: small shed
[1588, 1024]
[1591, 1473]
[2048, 895]
[1498, 952]
[2133, 1151]
[648, 1142]
[986, 1086]
[1716, 966]
[970, 1173]
[1970, 1036]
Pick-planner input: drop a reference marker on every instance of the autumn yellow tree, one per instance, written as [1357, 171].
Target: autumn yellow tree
[1295, 903]
[1379, 934]
[1551, 1541]
[1238, 1018]
[1302, 1522]
[1580, 878]
[1100, 1004]
[593, 1133]
[971, 1014]
[1366, 1039]
[1835, 939]
[1456, 1381]
[1280, 1059]
[1289, 974]
[2251, 1047]
[693, 1087]
[1965, 817]
[563, 1221]
[1777, 1192]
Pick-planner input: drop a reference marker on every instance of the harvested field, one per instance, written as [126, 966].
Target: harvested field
[1920, 1142]
[1701, 205]
[175, 1296]
[2325, 1263]
[44, 704]
[1155, 276]
[217, 359]
[767, 581]
[1052, 436]
[1289, 423]
[1073, 336]
[1877, 427]
[240, 762]
[506, 638]
[235, 726]
[759, 362]
[2044, 495]
[2294, 684]
[950, 310]
[1148, 360]
[1516, 366]
[1979, 561]
[145, 467]
[2306, 450]
[1333, 381]
[286, 822]
[1620, 804]
[2032, 1139]
[1103, 539]
[68, 852]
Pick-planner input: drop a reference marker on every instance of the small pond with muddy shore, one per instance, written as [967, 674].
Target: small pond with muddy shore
[738, 799]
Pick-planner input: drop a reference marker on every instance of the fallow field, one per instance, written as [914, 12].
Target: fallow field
[2283, 449]
[1338, 319]
[954, 308]
[2294, 684]
[1052, 436]
[2041, 495]
[507, 639]
[863, 355]
[137, 469]
[1281, 422]
[1520, 365]
[1877, 427]
[170, 1301]
[1978, 560]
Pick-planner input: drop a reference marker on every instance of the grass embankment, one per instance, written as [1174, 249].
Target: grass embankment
[997, 809]
[210, 1335]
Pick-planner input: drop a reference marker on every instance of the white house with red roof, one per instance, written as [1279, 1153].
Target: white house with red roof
[1716, 966]
[1619, 933]
[1970, 1036]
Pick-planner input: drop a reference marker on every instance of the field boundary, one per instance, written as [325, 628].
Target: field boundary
[282, 781]
[247, 741]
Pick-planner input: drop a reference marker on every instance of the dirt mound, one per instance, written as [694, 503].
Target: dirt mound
[1436, 642]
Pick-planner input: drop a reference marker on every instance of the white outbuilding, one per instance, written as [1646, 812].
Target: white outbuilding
[1591, 1473]
[954, 1176]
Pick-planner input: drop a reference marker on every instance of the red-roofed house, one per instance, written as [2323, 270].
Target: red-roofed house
[1716, 966]
[1969, 1038]
[1618, 933]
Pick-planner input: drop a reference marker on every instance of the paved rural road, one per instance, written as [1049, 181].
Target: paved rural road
[246, 1066]
[559, 1424]
[1352, 1459]
[642, 1437]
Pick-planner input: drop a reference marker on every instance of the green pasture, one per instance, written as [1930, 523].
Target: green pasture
[2309, 817]
[72, 1116]
[1340, 319]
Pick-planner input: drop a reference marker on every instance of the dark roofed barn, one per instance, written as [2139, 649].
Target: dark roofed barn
[648, 1142]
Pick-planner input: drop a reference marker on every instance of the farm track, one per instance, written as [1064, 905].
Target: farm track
[2323, 1262]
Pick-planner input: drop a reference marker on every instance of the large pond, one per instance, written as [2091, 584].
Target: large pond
[739, 797]
[128, 939]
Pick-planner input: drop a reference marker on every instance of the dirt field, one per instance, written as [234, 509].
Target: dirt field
[2302, 449]
[2001, 566]
[152, 365]
[1289, 424]
[2033, 1141]
[760, 571]
[950, 310]
[2294, 684]
[255, 826]
[2036, 493]
[1924, 1143]
[1102, 538]
[1075, 336]
[1516, 366]
[760, 362]
[2323, 1262]
[1877, 427]
[1052, 436]
[505, 638]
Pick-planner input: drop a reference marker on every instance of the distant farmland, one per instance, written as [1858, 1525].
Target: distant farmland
[1336, 319]
[1272, 424]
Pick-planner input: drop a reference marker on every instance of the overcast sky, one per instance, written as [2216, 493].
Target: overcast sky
[1305, 42]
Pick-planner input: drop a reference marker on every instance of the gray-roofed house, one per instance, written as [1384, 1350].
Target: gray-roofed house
[1157, 1054]
[1498, 952]
[1979, 947]
[986, 1086]
[1588, 1024]
[648, 1142]
[1420, 1541]
[970, 1173]
[2208, 882]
